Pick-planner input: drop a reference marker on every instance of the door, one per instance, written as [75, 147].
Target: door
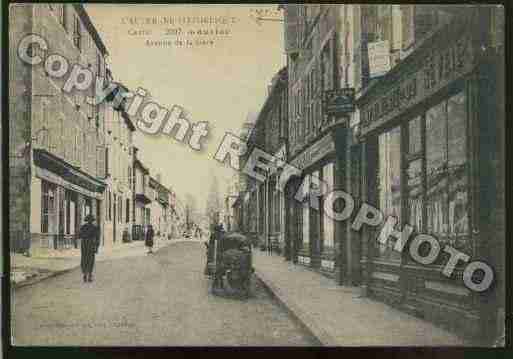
[114, 218]
[62, 204]
[98, 216]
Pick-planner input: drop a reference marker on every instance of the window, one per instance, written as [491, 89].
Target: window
[127, 208]
[62, 16]
[44, 135]
[414, 174]
[110, 206]
[120, 209]
[67, 196]
[87, 207]
[389, 171]
[277, 221]
[106, 161]
[436, 170]
[446, 170]
[458, 172]
[48, 192]
[77, 34]
[436, 174]
[99, 65]
[328, 239]
[325, 67]
[305, 223]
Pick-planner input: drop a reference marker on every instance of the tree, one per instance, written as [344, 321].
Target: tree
[213, 205]
[190, 210]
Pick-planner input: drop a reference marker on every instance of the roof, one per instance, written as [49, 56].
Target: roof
[79, 8]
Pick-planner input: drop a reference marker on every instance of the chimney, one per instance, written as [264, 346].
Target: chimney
[159, 177]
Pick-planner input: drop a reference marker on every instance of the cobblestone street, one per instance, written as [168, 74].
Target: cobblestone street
[152, 300]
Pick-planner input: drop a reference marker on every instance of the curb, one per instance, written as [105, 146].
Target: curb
[303, 318]
[40, 278]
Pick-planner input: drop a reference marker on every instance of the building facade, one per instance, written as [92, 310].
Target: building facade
[118, 196]
[142, 197]
[160, 211]
[427, 129]
[412, 143]
[57, 143]
[262, 206]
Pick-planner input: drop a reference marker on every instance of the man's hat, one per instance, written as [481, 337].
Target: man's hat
[89, 218]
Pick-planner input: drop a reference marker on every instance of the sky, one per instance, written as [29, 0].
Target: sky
[219, 83]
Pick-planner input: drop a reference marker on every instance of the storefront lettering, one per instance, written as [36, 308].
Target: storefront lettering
[314, 153]
[437, 70]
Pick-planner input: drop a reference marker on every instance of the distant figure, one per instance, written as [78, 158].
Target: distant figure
[90, 241]
[150, 233]
[198, 232]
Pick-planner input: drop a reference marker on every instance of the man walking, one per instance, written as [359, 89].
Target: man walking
[90, 240]
[150, 233]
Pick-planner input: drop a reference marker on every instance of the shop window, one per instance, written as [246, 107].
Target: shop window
[328, 240]
[436, 170]
[127, 214]
[87, 207]
[446, 174]
[120, 209]
[458, 173]
[110, 206]
[414, 174]
[389, 172]
[277, 216]
[70, 203]
[305, 223]
[48, 192]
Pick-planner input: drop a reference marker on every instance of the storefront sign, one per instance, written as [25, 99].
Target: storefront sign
[314, 153]
[338, 101]
[379, 58]
[438, 68]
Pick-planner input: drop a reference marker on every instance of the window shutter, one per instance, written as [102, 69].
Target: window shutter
[100, 167]
[424, 20]
[291, 29]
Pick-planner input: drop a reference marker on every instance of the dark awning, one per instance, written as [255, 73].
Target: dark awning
[140, 197]
[63, 169]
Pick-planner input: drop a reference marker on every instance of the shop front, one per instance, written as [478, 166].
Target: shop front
[61, 197]
[424, 127]
[312, 235]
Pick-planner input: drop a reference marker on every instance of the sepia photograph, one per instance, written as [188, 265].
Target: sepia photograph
[255, 175]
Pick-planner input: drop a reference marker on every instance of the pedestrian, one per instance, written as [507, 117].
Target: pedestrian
[150, 233]
[90, 240]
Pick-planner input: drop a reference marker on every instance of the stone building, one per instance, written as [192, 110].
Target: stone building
[57, 139]
[262, 207]
[118, 195]
[142, 197]
[159, 207]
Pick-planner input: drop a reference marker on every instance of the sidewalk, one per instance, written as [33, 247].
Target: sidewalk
[47, 263]
[340, 316]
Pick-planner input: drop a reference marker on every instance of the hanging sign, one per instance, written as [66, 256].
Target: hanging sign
[379, 58]
[338, 101]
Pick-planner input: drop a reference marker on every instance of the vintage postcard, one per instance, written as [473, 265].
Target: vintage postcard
[256, 175]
